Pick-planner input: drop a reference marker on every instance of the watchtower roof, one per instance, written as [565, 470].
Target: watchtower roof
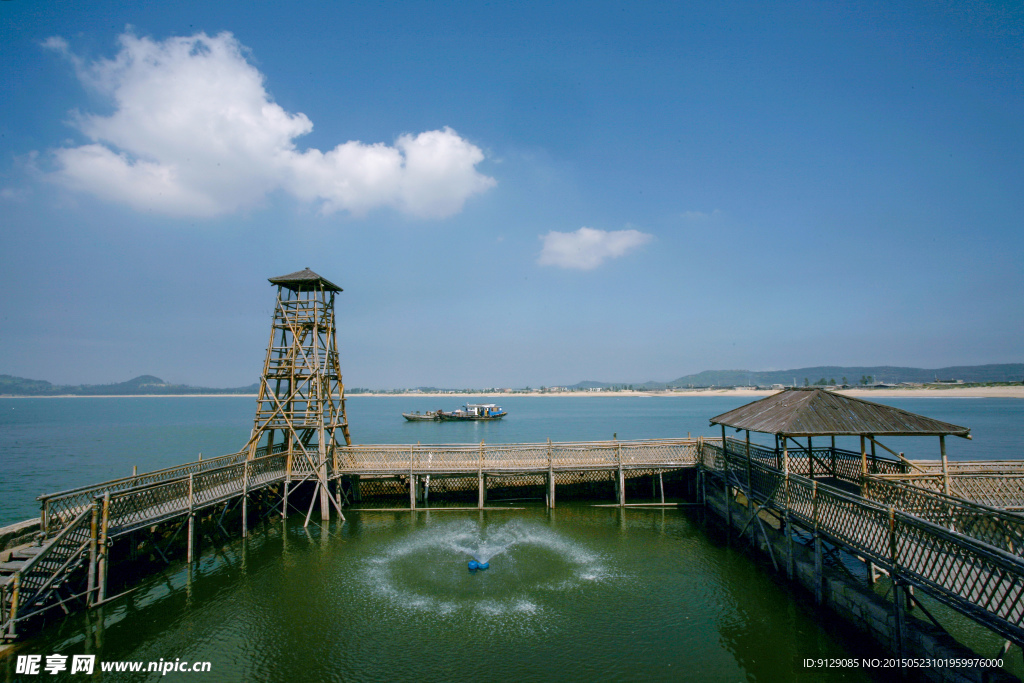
[816, 412]
[304, 280]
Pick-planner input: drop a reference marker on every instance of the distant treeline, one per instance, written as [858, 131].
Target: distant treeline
[144, 384]
[852, 375]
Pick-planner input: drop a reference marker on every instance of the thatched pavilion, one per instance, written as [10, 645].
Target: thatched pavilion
[807, 413]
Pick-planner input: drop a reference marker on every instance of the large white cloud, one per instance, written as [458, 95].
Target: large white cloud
[194, 132]
[588, 248]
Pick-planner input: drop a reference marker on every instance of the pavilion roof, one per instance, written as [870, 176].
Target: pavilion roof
[816, 412]
[304, 279]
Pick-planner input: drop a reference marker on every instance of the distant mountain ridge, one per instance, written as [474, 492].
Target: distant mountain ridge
[154, 386]
[141, 385]
[1001, 372]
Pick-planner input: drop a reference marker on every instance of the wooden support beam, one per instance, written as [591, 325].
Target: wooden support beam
[103, 549]
[945, 464]
[192, 518]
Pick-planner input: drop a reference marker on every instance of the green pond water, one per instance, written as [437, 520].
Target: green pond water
[579, 593]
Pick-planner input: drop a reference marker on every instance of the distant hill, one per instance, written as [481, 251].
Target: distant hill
[143, 384]
[1003, 372]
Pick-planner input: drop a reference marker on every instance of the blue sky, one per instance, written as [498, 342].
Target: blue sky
[511, 193]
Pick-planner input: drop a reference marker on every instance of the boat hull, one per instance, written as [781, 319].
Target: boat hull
[471, 418]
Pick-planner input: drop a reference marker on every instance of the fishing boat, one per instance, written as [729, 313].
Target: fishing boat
[429, 416]
[474, 412]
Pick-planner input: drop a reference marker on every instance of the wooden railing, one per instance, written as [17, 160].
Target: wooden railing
[994, 484]
[34, 587]
[998, 528]
[537, 457]
[822, 461]
[58, 509]
[967, 574]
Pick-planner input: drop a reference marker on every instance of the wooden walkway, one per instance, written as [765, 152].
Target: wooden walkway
[975, 577]
[80, 523]
[939, 544]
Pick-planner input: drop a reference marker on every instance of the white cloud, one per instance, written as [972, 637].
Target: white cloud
[194, 132]
[588, 248]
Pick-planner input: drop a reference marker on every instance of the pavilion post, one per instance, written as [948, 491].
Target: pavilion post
[726, 487]
[750, 490]
[833, 454]
[750, 481]
[945, 464]
[863, 457]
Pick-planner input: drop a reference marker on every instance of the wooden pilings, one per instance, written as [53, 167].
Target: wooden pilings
[93, 553]
[818, 559]
[192, 519]
[103, 550]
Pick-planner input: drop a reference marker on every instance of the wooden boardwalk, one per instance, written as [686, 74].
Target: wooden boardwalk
[936, 544]
[975, 577]
[79, 524]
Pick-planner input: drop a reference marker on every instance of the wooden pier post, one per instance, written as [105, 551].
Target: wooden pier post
[412, 478]
[833, 458]
[622, 477]
[863, 457]
[810, 457]
[287, 483]
[726, 488]
[322, 484]
[789, 531]
[245, 500]
[702, 473]
[945, 464]
[551, 478]
[818, 569]
[897, 588]
[93, 550]
[192, 519]
[102, 563]
[751, 507]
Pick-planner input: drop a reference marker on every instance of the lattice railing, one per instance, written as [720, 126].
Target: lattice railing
[457, 458]
[966, 573]
[147, 505]
[34, 587]
[827, 461]
[1003, 530]
[1003, 490]
[60, 508]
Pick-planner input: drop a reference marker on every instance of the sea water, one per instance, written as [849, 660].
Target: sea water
[579, 593]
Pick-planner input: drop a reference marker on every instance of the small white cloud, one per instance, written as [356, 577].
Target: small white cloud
[194, 132]
[588, 248]
[700, 215]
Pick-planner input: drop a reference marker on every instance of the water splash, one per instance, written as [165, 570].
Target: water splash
[426, 571]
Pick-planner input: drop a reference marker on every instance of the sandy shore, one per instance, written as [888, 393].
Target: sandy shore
[1016, 391]
[953, 392]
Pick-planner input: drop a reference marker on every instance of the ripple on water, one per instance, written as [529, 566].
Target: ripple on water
[427, 570]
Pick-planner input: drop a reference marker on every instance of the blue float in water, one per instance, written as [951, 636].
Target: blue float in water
[483, 565]
[473, 565]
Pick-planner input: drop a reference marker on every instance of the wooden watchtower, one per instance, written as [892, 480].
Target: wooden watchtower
[301, 404]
